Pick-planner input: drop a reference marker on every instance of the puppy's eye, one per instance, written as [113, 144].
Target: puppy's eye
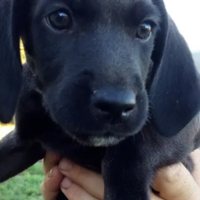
[144, 31]
[60, 20]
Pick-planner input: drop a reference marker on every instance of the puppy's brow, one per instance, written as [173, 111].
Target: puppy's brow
[81, 3]
[83, 8]
[141, 10]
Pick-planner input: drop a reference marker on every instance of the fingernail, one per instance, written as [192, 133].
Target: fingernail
[66, 183]
[65, 165]
[50, 174]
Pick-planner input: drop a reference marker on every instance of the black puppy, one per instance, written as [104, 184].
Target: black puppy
[110, 85]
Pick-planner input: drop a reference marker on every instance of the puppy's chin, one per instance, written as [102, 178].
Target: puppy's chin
[100, 141]
[97, 141]
[105, 141]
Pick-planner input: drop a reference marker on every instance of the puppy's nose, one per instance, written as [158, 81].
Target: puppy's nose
[113, 106]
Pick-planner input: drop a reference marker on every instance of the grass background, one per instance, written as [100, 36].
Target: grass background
[25, 186]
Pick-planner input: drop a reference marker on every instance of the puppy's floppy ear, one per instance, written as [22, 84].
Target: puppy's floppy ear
[174, 92]
[11, 12]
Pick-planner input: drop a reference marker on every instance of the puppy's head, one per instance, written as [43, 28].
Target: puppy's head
[92, 61]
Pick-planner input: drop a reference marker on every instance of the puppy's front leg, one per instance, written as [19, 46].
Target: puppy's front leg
[17, 155]
[127, 174]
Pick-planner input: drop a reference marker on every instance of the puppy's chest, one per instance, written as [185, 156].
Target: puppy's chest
[89, 157]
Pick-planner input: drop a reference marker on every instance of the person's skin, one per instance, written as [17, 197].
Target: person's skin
[173, 183]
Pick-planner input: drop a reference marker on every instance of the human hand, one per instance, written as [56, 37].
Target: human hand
[173, 183]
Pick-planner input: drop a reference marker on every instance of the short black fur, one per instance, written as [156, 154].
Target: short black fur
[68, 98]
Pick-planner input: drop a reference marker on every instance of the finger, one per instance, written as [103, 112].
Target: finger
[50, 160]
[176, 183]
[154, 197]
[196, 159]
[91, 182]
[74, 192]
[51, 184]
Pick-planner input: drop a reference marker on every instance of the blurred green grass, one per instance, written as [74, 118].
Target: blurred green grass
[25, 186]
